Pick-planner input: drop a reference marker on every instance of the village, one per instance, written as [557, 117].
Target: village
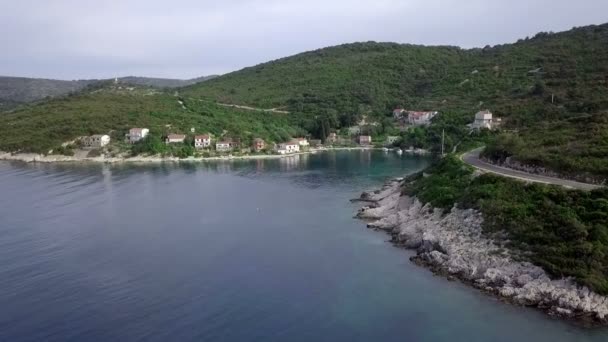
[205, 144]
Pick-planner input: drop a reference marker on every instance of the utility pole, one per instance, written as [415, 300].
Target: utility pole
[442, 142]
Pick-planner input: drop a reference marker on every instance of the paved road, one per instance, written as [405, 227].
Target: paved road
[472, 158]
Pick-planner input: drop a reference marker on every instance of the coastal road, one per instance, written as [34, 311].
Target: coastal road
[472, 158]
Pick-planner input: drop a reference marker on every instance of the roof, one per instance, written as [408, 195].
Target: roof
[176, 136]
[98, 135]
[136, 130]
[223, 142]
[258, 140]
[419, 114]
[301, 139]
[202, 137]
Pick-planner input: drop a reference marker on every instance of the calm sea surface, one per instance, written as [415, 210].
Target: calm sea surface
[227, 251]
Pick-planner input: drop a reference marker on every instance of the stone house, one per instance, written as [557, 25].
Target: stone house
[95, 141]
[175, 138]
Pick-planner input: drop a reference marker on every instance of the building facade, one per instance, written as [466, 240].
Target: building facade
[202, 141]
[420, 118]
[483, 119]
[137, 134]
[223, 146]
[175, 138]
[289, 147]
[95, 141]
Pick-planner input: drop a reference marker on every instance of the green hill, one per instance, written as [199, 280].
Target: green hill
[108, 110]
[548, 79]
[532, 83]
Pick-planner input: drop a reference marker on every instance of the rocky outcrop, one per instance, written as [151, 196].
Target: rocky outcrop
[452, 244]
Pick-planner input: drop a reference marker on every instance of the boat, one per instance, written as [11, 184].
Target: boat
[385, 149]
[399, 151]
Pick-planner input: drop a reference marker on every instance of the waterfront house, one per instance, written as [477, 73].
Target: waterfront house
[202, 141]
[420, 118]
[95, 141]
[365, 140]
[175, 138]
[289, 147]
[223, 146]
[137, 134]
[303, 142]
[258, 144]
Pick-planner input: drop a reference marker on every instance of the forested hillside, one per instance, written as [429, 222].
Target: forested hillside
[552, 89]
[109, 110]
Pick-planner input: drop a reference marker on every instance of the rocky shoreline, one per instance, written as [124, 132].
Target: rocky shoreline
[451, 244]
[40, 158]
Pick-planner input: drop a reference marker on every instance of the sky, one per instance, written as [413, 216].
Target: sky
[80, 39]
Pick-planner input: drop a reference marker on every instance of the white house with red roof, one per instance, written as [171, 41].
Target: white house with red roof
[289, 147]
[202, 141]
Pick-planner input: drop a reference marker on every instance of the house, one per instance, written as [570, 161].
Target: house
[137, 134]
[258, 144]
[392, 139]
[288, 147]
[365, 140]
[175, 138]
[398, 113]
[223, 146]
[202, 141]
[333, 137]
[483, 119]
[95, 141]
[420, 118]
[303, 142]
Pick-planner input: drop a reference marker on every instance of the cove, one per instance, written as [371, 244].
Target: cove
[263, 250]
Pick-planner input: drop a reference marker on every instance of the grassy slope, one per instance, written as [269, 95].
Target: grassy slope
[41, 127]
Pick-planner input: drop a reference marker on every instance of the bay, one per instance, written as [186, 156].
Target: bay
[264, 250]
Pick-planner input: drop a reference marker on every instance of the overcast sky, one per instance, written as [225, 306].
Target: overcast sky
[75, 39]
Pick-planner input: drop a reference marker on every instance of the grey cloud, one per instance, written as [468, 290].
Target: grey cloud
[71, 39]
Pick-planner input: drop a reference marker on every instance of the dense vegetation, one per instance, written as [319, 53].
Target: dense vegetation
[576, 147]
[549, 78]
[563, 231]
[41, 127]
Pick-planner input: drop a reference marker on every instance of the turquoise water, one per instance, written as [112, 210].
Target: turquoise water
[229, 251]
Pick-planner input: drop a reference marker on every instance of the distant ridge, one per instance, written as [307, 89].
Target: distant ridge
[18, 90]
